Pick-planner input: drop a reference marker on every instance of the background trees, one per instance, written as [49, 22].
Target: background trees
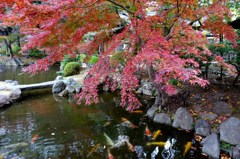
[159, 34]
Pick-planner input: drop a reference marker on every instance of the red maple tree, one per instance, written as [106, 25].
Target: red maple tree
[159, 34]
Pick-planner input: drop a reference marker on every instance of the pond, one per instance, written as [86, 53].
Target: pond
[42, 125]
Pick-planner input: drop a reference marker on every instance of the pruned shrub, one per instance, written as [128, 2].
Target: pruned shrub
[72, 68]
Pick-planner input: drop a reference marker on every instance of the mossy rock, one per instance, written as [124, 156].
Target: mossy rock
[72, 68]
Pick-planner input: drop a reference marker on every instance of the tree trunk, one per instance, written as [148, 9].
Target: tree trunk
[159, 102]
[238, 70]
[221, 70]
[9, 47]
[18, 41]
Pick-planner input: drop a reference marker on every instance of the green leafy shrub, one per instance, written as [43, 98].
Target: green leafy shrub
[67, 59]
[16, 49]
[93, 59]
[72, 68]
[36, 53]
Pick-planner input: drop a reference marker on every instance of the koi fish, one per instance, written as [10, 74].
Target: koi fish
[35, 137]
[127, 123]
[94, 149]
[130, 146]
[187, 147]
[137, 111]
[106, 124]
[109, 141]
[156, 134]
[148, 132]
[161, 144]
[110, 156]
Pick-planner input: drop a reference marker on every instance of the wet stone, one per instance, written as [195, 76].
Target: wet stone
[208, 116]
[70, 89]
[58, 87]
[64, 93]
[162, 118]
[151, 111]
[183, 119]
[222, 108]
[202, 127]
[211, 146]
[230, 131]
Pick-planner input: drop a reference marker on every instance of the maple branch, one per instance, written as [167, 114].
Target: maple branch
[121, 6]
[86, 6]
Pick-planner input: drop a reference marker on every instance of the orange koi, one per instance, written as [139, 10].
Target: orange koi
[137, 111]
[110, 156]
[148, 132]
[128, 123]
[130, 146]
[35, 137]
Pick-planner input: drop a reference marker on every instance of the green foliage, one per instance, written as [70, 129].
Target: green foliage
[67, 59]
[72, 68]
[93, 59]
[36, 53]
[16, 49]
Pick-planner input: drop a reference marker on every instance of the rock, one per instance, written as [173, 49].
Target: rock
[58, 87]
[235, 152]
[8, 81]
[162, 118]
[140, 90]
[78, 89]
[2, 68]
[70, 89]
[59, 78]
[105, 88]
[222, 108]
[230, 131]
[202, 127]
[197, 108]
[15, 94]
[209, 116]
[64, 93]
[211, 146]
[3, 87]
[151, 111]
[71, 82]
[3, 131]
[183, 119]
[148, 88]
[4, 99]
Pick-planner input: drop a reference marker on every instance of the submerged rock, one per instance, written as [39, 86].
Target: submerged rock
[230, 131]
[202, 127]
[183, 119]
[211, 146]
[151, 111]
[162, 118]
[58, 87]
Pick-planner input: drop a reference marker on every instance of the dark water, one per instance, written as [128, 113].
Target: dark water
[42, 125]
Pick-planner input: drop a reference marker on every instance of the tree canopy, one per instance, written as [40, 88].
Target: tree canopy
[159, 35]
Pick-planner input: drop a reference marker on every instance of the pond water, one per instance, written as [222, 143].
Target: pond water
[42, 125]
